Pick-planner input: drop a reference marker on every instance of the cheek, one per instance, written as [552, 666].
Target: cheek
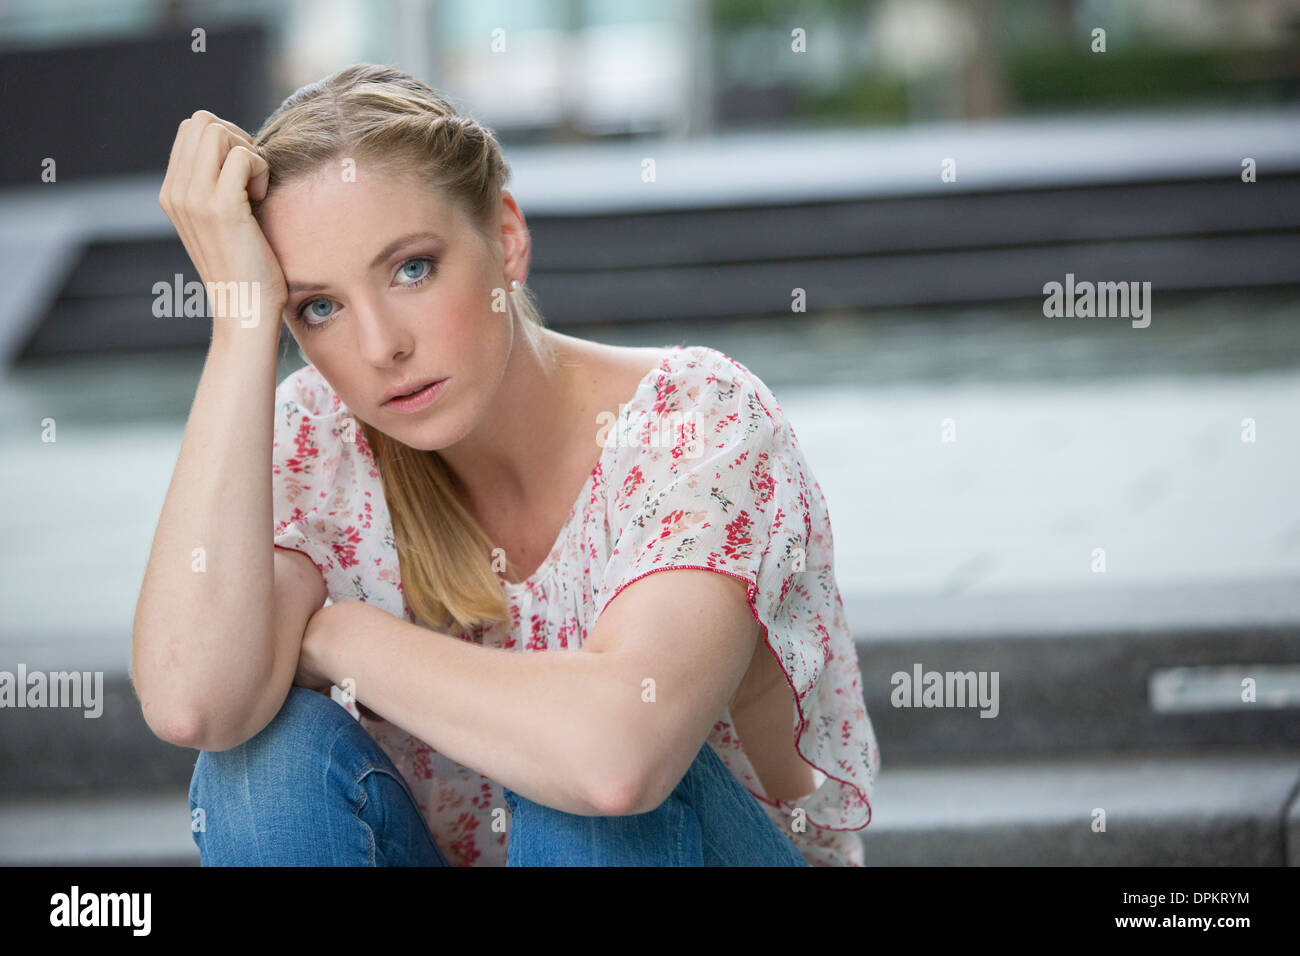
[468, 327]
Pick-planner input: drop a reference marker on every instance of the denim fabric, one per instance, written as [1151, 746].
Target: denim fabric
[315, 789]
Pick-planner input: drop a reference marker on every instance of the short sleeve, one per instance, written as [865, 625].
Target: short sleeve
[326, 496]
[724, 487]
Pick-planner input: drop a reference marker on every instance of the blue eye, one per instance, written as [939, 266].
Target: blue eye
[416, 262]
[311, 304]
[428, 262]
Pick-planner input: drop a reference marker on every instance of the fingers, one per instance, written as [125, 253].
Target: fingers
[177, 166]
[259, 179]
[243, 170]
[189, 140]
[215, 143]
[236, 130]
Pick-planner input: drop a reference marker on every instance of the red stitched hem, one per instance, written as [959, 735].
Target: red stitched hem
[304, 554]
[750, 590]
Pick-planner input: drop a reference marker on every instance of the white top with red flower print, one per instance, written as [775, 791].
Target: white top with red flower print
[701, 470]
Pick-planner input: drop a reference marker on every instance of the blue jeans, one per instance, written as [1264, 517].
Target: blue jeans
[315, 789]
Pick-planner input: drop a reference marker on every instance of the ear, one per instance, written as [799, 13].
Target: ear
[515, 241]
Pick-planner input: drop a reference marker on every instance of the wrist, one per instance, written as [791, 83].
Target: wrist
[315, 655]
[327, 633]
[254, 322]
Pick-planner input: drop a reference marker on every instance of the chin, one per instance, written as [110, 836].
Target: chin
[422, 445]
[433, 435]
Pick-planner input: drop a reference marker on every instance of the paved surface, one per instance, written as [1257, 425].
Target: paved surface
[1216, 808]
[102, 831]
[1219, 807]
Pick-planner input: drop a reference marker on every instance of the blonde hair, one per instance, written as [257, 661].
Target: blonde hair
[399, 124]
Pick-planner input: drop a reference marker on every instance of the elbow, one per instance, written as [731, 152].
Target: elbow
[619, 798]
[183, 725]
[179, 727]
[168, 717]
[165, 712]
[191, 731]
[644, 786]
[623, 790]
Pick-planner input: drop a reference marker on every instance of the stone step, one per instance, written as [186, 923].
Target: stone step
[114, 829]
[1225, 807]
[1219, 807]
[873, 228]
[1075, 672]
[1086, 669]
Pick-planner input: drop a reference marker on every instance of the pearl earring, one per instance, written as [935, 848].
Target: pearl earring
[513, 298]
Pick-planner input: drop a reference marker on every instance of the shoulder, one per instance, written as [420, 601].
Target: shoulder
[721, 401]
[708, 475]
[702, 424]
[699, 377]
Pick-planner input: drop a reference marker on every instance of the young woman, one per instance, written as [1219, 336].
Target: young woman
[469, 488]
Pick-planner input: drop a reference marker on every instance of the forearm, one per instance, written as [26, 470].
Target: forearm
[202, 634]
[542, 724]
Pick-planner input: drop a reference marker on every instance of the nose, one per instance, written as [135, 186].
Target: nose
[381, 340]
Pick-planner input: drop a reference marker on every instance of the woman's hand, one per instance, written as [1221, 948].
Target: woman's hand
[311, 665]
[213, 173]
[325, 625]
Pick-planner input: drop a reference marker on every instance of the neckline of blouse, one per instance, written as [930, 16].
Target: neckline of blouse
[548, 565]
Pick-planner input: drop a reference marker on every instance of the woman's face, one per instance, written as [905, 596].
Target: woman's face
[372, 316]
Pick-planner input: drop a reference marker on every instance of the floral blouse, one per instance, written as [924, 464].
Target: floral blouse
[700, 470]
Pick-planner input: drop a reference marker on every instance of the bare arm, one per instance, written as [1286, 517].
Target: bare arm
[213, 639]
[570, 729]
[221, 612]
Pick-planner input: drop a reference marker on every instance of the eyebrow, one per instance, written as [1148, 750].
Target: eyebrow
[382, 257]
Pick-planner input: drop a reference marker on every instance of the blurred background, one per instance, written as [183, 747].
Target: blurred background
[860, 200]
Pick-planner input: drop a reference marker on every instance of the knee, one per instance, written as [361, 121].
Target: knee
[267, 799]
[307, 717]
[307, 722]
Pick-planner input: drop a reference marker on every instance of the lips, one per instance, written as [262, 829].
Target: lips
[408, 388]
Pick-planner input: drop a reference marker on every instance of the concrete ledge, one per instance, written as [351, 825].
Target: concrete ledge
[59, 750]
[1076, 693]
[1292, 825]
[121, 830]
[1051, 613]
[1073, 667]
[1225, 808]
[1073, 672]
